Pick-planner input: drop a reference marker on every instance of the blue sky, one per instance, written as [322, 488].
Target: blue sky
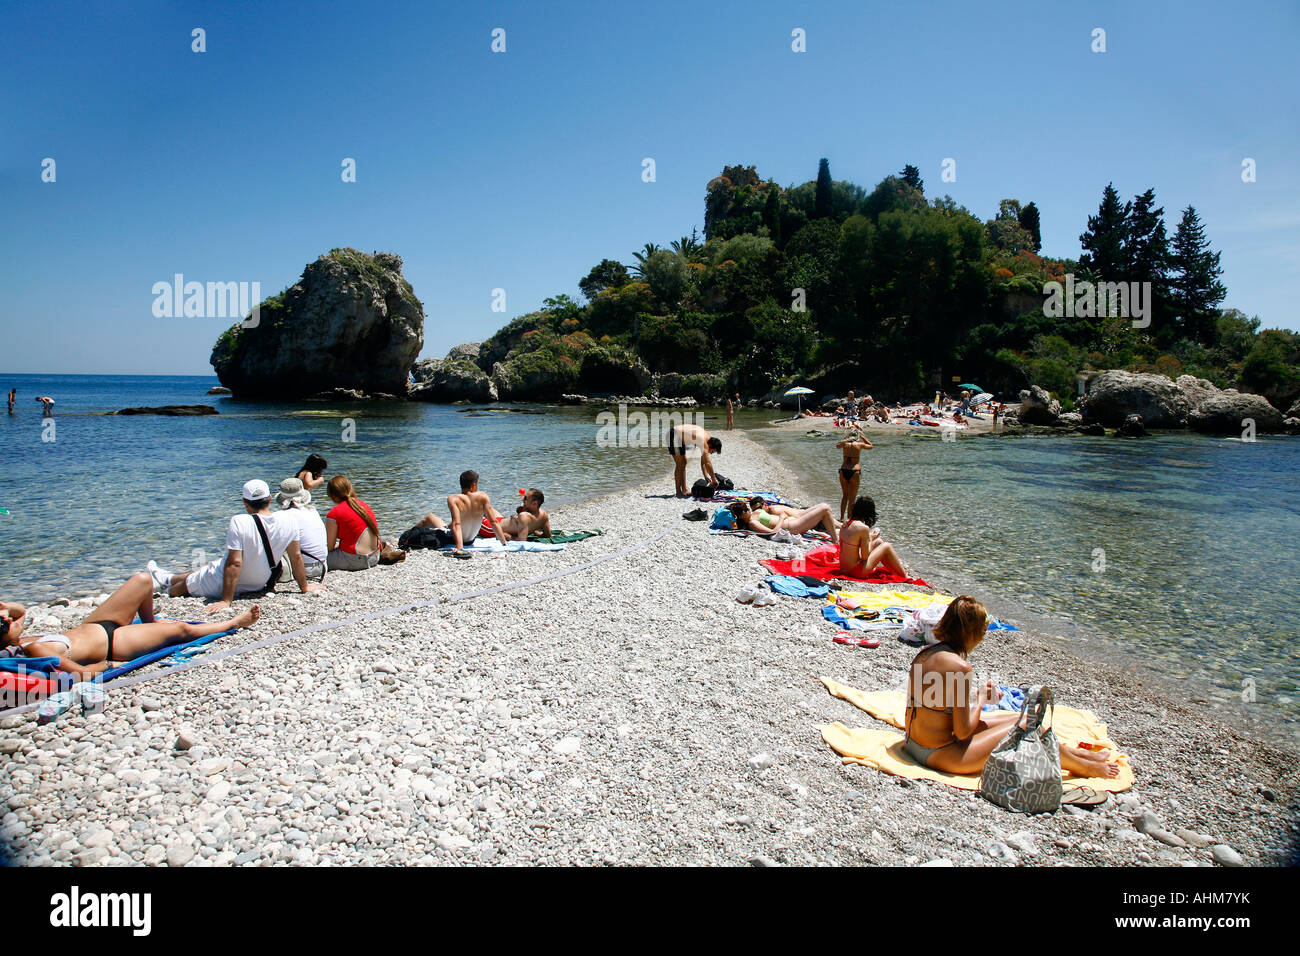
[522, 170]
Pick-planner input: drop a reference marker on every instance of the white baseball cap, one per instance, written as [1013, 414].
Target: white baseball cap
[256, 490]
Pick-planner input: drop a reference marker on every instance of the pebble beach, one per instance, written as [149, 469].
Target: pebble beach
[630, 713]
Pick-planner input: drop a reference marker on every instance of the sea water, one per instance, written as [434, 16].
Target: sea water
[1174, 554]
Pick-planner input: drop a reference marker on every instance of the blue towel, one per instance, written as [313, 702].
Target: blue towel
[159, 654]
[1013, 698]
[784, 584]
[29, 665]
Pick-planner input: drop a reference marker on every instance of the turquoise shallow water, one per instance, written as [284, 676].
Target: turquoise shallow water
[1199, 536]
[110, 492]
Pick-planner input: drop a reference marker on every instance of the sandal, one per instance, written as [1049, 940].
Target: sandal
[1084, 797]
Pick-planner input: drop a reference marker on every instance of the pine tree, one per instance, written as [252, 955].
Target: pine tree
[1146, 259]
[1103, 242]
[822, 204]
[1029, 222]
[912, 176]
[1196, 291]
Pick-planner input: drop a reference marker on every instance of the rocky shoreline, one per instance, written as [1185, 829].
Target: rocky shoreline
[630, 713]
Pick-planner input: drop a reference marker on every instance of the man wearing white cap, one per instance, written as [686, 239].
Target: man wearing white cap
[247, 564]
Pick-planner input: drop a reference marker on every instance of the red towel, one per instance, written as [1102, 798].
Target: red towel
[823, 563]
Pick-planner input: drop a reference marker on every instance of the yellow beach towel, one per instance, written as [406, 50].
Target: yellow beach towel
[877, 600]
[883, 749]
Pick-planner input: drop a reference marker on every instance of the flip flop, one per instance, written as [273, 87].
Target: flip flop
[857, 641]
[1084, 797]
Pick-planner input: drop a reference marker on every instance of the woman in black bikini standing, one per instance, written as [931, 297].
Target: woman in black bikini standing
[853, 445]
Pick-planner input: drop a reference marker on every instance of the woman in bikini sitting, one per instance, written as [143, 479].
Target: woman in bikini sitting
[853, 445]
[311, 474]
[861, 546]
[946, 727]
[107, 637]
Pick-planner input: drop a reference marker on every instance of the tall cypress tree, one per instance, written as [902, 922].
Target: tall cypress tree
[1196, 291]
[912, 176]
[772, 214]
[1029, 222]
[822, 205]
[1103, 242]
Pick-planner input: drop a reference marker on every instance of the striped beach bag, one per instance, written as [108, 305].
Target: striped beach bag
[1023, 773]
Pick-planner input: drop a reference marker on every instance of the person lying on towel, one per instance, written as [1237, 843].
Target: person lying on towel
[774, 517]
[862, 547]
[946, 729]
[107, 638]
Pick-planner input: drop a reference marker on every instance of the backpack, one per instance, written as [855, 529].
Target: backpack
[1023, 773]
[420, 538]
[724, 484]
[702, 489]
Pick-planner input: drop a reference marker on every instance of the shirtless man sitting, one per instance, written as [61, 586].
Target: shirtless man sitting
[861, 547]
[107, 637]
[529, 517]
[680, 437]
[467, 509]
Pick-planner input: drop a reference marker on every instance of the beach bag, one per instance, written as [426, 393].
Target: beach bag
[724, 484]
[919, 625]
[1023, 773]
[271, 560]
[702, 489]
[723, 520]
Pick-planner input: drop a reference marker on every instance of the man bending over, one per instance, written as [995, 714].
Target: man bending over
[679, 438]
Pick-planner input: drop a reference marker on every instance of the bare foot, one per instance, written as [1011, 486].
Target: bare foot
[1082, 763]
[247, 618]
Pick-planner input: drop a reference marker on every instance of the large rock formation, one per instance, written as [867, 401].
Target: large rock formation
[1114, 395]
[453, 379]
[1226, 413]
[351, 321]
[1037, 407]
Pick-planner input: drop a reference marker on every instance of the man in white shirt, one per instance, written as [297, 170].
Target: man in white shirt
[246, 565]
[295, 502]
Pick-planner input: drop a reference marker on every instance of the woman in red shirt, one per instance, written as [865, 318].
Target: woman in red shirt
[351, 531]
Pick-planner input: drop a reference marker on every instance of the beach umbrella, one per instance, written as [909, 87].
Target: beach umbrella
[972, 388]
[980, 399]
[800, 391]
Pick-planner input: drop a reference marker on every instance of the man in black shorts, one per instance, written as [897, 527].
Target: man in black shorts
[680, 437]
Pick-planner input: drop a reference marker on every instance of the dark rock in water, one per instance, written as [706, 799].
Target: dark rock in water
[1114, 395]
[351, 321]
[453, 379]
[1227, 413]
[218, 390]
[1037, 407]
[180, 410]
[352, 395]
[1131, 427]
[1292, 425]
[1070, 420]
[1093, 428]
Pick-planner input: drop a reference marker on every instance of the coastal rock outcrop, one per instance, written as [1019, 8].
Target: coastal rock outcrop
[1116, 394]
[452, 379]
[1226, 413]
[1131, 427]
[351, 321]
[1037, 407]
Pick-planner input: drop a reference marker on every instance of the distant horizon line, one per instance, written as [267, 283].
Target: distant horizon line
[117, 374]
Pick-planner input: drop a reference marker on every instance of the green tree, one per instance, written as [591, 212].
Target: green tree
[642, 257]
[1196, 291]
[912, 176]
[608, 274]
[666, 273]
[1029, 222]
[822, 206]
[1103, 242]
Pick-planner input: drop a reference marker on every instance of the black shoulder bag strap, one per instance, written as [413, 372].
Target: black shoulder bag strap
[276, 570]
